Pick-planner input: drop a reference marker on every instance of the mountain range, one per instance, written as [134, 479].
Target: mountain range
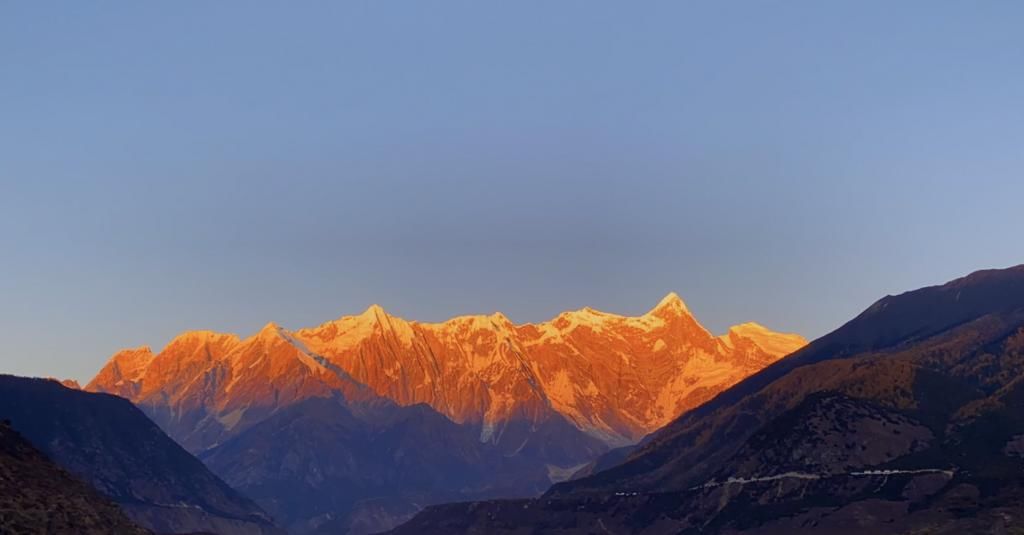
[356, 424]
[907, 419]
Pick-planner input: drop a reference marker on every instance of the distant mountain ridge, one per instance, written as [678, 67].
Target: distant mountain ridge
[508, 408]
[615, 378]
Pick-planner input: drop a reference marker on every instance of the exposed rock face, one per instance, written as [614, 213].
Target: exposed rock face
[906, 419]
[108, 443]
[538, 401]
[38, 497]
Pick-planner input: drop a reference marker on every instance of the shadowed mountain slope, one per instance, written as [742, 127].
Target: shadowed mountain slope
[324, 466]
[38, 497]
[111, 445]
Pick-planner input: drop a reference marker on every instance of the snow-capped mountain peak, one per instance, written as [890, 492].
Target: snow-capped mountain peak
[613, 377]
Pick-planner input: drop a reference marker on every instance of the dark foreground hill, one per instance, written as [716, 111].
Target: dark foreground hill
[109, 444]
[38, 497]
[909, 418]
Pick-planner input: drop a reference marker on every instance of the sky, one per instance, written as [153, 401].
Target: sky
[197, 165]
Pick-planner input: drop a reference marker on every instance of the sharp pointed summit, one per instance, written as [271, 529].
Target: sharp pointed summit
[269, 333]
[270, 328]
[671, 303]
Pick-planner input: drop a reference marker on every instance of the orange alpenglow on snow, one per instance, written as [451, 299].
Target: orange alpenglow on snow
[613, 377]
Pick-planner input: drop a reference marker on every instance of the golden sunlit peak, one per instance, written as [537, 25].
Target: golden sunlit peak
[203, 336]
[671, 302]
[374, 310]
[752, 328]
[269, 328]
[774, 343]
[748, 327]
[143, 349]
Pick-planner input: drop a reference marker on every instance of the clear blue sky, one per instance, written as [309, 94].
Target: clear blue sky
[170, 166]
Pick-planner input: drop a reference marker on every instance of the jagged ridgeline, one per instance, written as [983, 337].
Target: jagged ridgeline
[367, 409]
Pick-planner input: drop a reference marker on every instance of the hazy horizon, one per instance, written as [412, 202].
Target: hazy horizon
[222, 166]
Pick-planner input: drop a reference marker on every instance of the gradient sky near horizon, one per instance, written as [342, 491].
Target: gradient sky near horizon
[220, 165]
